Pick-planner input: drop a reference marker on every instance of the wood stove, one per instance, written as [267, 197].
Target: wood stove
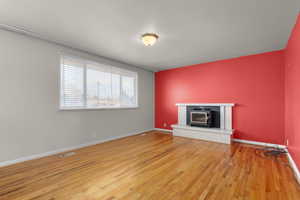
[200, 118]
[203, 116]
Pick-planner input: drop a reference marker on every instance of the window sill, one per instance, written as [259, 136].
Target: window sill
[98, 108]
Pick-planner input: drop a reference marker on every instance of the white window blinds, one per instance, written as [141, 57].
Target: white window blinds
[72, 83]
[86, 84]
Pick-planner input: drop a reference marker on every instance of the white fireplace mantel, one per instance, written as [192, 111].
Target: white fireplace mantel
[222, 134]
[205, 104]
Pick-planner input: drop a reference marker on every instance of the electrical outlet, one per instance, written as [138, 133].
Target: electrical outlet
[165, 124]
[287, 142]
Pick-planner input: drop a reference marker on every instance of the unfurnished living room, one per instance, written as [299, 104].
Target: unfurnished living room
[150, 100]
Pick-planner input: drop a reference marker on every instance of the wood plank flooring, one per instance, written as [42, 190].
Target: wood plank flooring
[153, 166]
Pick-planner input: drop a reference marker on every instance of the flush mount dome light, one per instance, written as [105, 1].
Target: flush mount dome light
[149, 39]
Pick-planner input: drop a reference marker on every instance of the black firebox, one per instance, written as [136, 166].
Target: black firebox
[203, 116]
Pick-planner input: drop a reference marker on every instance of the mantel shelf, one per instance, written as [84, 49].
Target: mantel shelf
[205, 104]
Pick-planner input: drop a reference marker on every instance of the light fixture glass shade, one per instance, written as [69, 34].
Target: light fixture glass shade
[149, 39]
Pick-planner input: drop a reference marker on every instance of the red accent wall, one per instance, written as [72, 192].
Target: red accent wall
[292, 93]
[255, 83]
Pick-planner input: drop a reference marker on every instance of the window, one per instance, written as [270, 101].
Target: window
[88, 85]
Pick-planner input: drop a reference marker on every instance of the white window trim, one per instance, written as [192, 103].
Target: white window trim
[85, 61]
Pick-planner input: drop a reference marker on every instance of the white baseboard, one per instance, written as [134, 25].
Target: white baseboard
[162, 129]
[49, 153]
[294, 167]
[260, 143]
[290, 159]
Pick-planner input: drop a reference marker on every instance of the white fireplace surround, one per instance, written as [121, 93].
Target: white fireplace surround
[222, 134]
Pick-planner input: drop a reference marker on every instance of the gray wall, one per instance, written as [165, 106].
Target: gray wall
[30, 119]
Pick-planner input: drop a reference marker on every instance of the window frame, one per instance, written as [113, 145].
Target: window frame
[85, 62]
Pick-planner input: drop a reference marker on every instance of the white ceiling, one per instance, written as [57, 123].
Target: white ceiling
[191, 31]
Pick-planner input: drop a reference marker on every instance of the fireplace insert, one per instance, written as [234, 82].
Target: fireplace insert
[201, 118]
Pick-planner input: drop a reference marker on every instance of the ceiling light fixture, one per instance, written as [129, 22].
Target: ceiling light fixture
[149, 39]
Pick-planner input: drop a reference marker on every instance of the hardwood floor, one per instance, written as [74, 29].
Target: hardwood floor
[153, 166]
